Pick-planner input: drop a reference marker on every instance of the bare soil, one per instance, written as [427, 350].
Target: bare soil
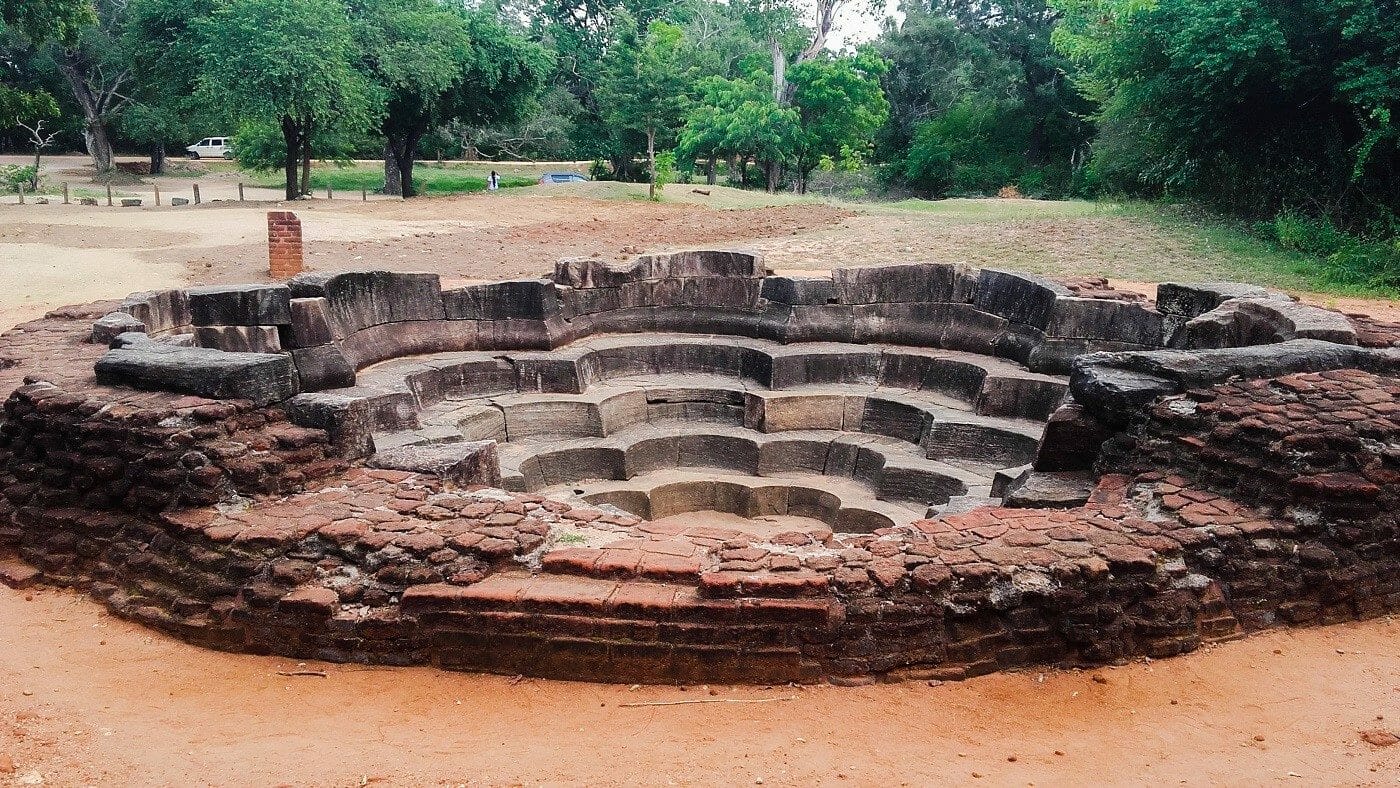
[87, 699]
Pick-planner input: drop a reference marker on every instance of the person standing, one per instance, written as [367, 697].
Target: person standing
[494, 181]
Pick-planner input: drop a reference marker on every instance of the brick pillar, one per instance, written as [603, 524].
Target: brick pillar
[283, 244]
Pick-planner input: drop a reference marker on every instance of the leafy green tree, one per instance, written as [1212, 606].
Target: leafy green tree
[644, 87]
[840, 106]
[1249, 106]
[163, 46]
[290, 63]
[977, 93]
[415, 50]
[42, 20]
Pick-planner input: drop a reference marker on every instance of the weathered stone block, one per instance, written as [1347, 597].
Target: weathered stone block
[323, 367]
[922, 282]
[311, 323]
[1190, 299]
[1020, 298]
[799, 290]
[240, 305]
[160, 310]
[109, 326]
[1041, 490]
[260, 377]
[1102, 318]
[1071, 440]
[344, 418]
[362, 299]
[464, 463]
[239, 339]
[1242, 322]
[531, 299]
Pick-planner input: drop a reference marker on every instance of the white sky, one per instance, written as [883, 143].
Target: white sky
[856, 23]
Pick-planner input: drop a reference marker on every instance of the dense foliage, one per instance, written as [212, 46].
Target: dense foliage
[1253, 107]
[1283, 113]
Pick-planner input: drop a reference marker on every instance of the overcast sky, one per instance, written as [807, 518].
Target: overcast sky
[856, 23]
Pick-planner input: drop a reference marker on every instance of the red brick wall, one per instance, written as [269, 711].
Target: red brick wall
[283, 244]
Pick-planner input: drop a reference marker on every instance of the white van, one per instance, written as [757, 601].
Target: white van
[212, 147]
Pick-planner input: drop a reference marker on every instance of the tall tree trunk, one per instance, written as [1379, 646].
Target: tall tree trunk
[34, 179]
[291, 137]
[651, 163]
[393, 181]
[158, 158]
[779, 72]
[710, 171]
[770, 169]
[99, 146]
[408, 156]
[95, 108]
[744, 171]
[622, 169]
[306, 158]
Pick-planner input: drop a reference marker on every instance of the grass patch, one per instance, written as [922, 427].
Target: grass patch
[996, 209]
[1245, 256]
[429, 181]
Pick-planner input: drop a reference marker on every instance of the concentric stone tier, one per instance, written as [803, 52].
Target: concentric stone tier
[912, 426]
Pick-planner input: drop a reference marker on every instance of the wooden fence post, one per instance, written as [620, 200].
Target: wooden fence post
[157, 188]
[109, 195]
[196, 194]
[65, 192]
[240, 191]
[21, 192]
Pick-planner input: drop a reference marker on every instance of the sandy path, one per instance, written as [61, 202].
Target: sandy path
[113, 703]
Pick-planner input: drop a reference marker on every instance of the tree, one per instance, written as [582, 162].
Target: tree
[161, 42]
[41, 20]
[740, 118]
[840, 105]
[289, 63]
[438, 65]
[31, 111]
[981, 99]
[644, 87]
[1249, 106]
[99, 75]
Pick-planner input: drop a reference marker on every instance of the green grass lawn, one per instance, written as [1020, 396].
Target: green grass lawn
[429, 180]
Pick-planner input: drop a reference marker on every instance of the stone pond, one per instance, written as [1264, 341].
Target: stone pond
[685, 468]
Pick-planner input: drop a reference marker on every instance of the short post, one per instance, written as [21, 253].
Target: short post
[157, 188]
[196, 194]
[21, 192]
[364, 195]
[283, 244]
[240, 191]
[329, 193]
[65, 192]
[109, 194]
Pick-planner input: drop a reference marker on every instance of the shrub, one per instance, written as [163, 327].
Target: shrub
[12, 175]
[1371, 261]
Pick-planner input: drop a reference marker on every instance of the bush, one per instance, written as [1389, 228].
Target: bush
[13, 175]
[1351, 259]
